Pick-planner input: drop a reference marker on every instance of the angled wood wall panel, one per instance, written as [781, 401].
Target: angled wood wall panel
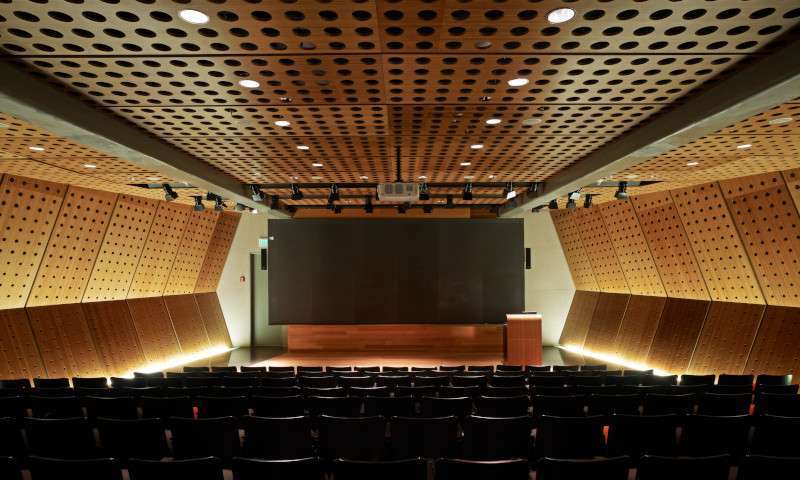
[73, 247]
[19, 355]
[669, 246]
[213, 319]
[191, 252]
[579, 317]
[160, 250]
[775, 348]
[606, 320]
[114, 335]
[217, 252]
[28, 211]
[677, 334]
[65, 342]
[638, 327]
[631, 248]
[188, 323]
[598, 246]
[726, 338]
[577, 259]
[122, 246]
[154, 328]
[792, 179]
[716, 244]
[769, 225]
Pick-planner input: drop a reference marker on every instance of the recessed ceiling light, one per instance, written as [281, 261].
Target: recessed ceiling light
[193, 16]
[89, 165]
[154, 179]
[744, 146]
[364, 177]
[316, 178]
[422, 177]
[303, 147]
[3, 125]
[692, 164]
[774, 121]
[560, 15]
[493, 121]
[283, 123]
[632, 175]
[466, 164]
[476, 146]
[531, 121]
[469, 177]
[316, 164]
[491, 177]
[36, 149]
[247, 83]
[518, 82]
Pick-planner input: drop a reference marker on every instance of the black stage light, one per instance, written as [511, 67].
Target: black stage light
[274, 202]
[337, 209]
[570, 202]
[622, 191]
[402, 209]
[467, 193]
[553, 205]
[256, 194]
[427, 209]
[449, 202]
[587, 202]
[219, 204]
[538, 208]
[333, 196]
[198, 203]
[368, 205]
[424, 192]
[508, 191]
[239, 207]
[296, 193]
[169, 193]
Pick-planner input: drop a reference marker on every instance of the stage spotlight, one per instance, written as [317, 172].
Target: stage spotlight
[587, 201]
[198, 203]
[508, 191]
[337, 209]
[538, 208]
[211, 197]
[571, 202]
[274, 202]
[333, 196]
[296, 193]
[427, 209]
[424, 192]
[622, 191]
[467, 194]
[169, 193]
[449, 202]
[574, 195]
[219, 204]
[256, 194]
[368, 205]
[401, 209]
[534, 188]
[553, 205]
[239, 207]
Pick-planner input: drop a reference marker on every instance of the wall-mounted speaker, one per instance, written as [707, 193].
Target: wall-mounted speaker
[527, 258]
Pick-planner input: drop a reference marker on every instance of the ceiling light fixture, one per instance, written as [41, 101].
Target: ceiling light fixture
[422, 177]
[303, 147]
[780, 121]
[531, 121]
[622, 191]
[692, 164]
[169, 193]
[518, 82]
[476, 146]
[194, 17]
[508, 191]
[247, 83]
[283, 123]
[89, 165]
[198, 203]
[744, 146]
[364, 177]
[560, 15]
[316, 164]
[493, 121]
[466, 164]
[36, 149]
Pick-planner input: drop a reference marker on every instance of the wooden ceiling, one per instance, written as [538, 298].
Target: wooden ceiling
[356, 79]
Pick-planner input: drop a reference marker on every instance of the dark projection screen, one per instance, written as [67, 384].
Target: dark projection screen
[395, 271]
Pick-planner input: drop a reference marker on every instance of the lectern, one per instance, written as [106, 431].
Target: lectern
[523, 339]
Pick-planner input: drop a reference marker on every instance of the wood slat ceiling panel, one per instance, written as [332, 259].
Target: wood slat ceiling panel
[638, 327]
[577, 258]
[578, 319]
[19, 355]
[28, 212]
[769, 225]
[598, 246]
[217, 252]
[115, 336]
[669, 246]
[73, 247]
[213, 318]
[65, 342]
[727, 336]
[677, 333]
[775, 347]
[191, 252]
[605, 322]
[188, 322]
[121, 249]
[717, 247]
[154, 328]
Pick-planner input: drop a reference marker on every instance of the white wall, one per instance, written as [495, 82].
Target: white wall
[548, 284]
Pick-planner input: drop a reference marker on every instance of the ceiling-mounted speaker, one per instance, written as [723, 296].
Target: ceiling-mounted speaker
[527, 258]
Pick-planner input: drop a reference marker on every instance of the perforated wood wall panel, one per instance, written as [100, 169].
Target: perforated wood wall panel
[775, 347]
[213, 319]
[115, 336]
[19, 355]
[631, 248]
[579, 317]
[669, 246]
[638, 327]
[28, 211]
[65, 342]
[217, 252]
[716, 244]
[606, 321]
[677, 334]
[191, 252]
[792, 179]
[122, 246]
[575, 254]
[160, 250]
[188, 322]
[598, 246]
[726, 338]
[769, 225]
[73, 247]
[154, 327]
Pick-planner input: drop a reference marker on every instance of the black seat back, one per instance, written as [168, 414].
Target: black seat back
[776, 436]
[637, 435]
[567, 469]
[44, 468]
[206, 468]
[132, 438]
[706, 435]
[685, 468]
[489, 438]
[204, 437]
[758, 467]
[277, 438]
[352, 438]
[458, 469]
[424, 437]
[60, 437]
[290, 469]
[569, 437]
[407, 469]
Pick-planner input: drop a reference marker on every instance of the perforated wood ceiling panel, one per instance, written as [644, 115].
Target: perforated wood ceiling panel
[606, 320]
[188, 322]
[191, 252]
[154, 327]
[631, 249]
[638, 327]
[65, 341]
[669, 246]
[122, 246]
[73, 247]
[571, 244]
[769, 225]
[115, 336]
[28, 211]
[217, 252]
[677, 333]
[726, 338]
[579, 317]
[716, 244]
[160, 250]
[19, 355]
[597, 244]
[775, 348]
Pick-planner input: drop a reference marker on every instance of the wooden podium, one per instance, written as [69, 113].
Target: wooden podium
[523, 339]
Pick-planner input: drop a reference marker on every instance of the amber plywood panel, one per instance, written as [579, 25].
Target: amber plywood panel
[631, 248]
[669, 246]
[191, 252]
[792, 179]
[114, 335]
[597, 244]
[19, 355]
[638, 327]
[28, 211]
[188, 322]
[217, 252]
[571, 244]
[65, 342]
[775, 348]
[213, 319]
[122, 246]
[154, 328]
[578, 318]
[677, 334]
[160, 250]
[605, 323]
[769, 226]
[726, 338]
[73, 247]
[716, 244]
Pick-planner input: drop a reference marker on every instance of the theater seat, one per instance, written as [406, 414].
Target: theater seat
[684, 468]
[277, 438]
[724, 404]
[407, 469]
[637, 435]
[9, 468]
[758, 467]
[51, 382]
[424, 437]
[442, 407]
[60, 437]
[569, 437]
[352, 438]
[457, 469]
[217, 437]
[206, 468]
[488, 438]
[163, 407]
[706, 435]
[574, 469]
[263, 469]
[397, 406]
[784, 405]
[11, 441]
[43, 468]
[288, 406]
[516, 406]
[132, 438]
[776, 436]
